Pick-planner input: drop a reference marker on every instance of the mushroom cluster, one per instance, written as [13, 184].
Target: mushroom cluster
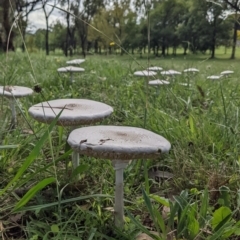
[72, 69]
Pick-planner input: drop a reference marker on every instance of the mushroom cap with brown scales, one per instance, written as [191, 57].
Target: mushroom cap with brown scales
[144, 73]
[75, 111]
[15, 91]
[70, 69]
[118, 142]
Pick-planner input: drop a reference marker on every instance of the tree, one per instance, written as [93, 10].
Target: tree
[234, 7]
[164, 20]
[101, 31]
[84, 17]
[47, 12]
[24, 8]
[7, 10]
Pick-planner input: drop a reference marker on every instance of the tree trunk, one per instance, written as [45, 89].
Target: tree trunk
[185, 50]
[83, 40]
[8, 39]
[163, 49]
[46, 38]
[213, 39]
[234, 43]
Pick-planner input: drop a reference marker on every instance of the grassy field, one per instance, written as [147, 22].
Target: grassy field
[200, 200]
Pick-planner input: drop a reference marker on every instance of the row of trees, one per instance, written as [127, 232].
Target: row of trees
[196, 25]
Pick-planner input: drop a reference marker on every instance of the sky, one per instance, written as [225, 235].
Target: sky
[37, 19]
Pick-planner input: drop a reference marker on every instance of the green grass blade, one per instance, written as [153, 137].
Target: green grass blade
[47, 205]
[8, 146]
[203, 208]
[141, 227]
[31, 193]
[150, 209]
[36, 150]
[92, 233]
[79, 170]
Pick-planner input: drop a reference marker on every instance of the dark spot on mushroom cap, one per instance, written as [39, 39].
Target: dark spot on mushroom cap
[159, 150]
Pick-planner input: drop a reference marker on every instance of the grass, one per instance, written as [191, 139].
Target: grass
[201, 121]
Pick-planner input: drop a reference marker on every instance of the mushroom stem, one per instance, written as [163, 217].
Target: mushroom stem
[13, 109]
[119, 166]
[75, 159]
[146, 102]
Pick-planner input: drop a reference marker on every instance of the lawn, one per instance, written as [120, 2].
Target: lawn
[198, 200]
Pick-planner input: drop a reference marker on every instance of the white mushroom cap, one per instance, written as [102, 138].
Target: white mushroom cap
[158, 82]
[191, 70]
[155, 68]
[118, 142]
[170, 72]
[15, 91]
[214, 77]
[145, 73]
[71, 69]
[76, 111]
[76, 61]
[227, 72]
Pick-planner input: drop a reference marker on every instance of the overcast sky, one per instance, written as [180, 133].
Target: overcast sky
[37, 19]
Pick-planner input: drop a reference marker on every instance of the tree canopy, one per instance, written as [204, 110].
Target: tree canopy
[124, 25]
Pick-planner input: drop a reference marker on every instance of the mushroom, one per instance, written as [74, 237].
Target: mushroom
[227, 72]
[13, 92]
[155, 68]
[191, 70]
[119, 144]
[214, 77]
[76, 61]
[76, 112]
[157, 83]
[70, 69]
[170, 73]
[145, 73]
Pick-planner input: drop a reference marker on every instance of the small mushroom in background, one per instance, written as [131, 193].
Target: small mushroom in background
[157, 83]
[13, 92]
[171, 73]
[226, 73]
[144, 73]
[119, 144]
[76, 112]
[155, 68]
[75, 61]
[191, 70]
[71, 70]
[214, 77]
